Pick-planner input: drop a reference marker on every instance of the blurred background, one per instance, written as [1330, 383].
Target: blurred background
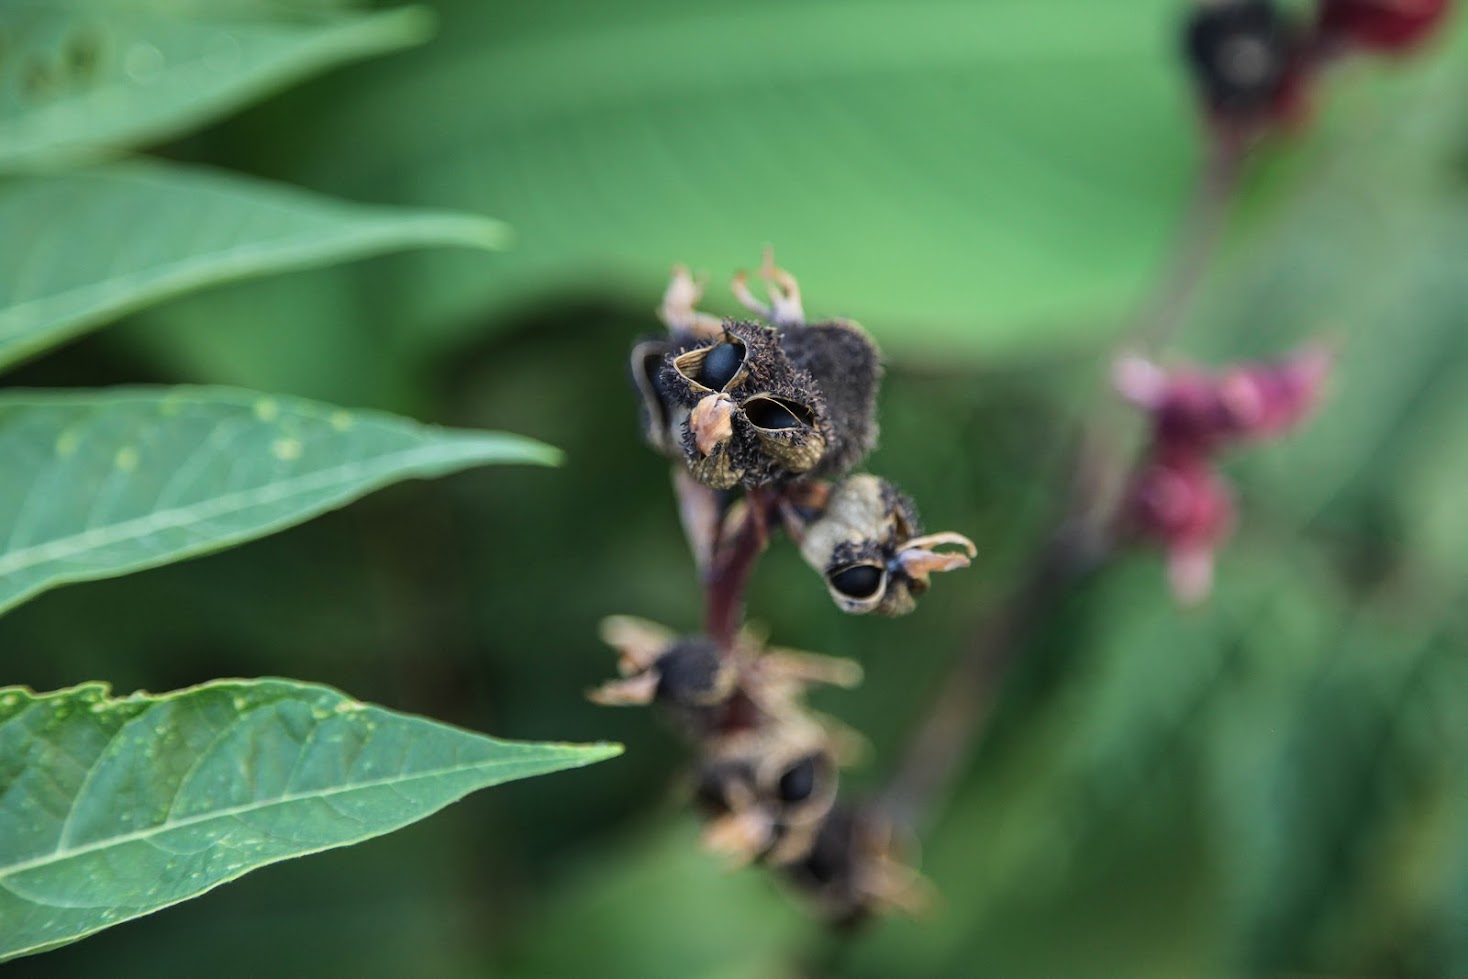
[1273, 784]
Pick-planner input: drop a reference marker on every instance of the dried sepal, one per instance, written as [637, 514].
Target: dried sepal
[785, 307]
[850, 869]
[702, 511]
[689, 673]
[679, 308]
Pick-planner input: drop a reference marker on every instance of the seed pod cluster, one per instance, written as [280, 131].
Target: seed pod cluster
[754, 404]
[863, 536]
[767, 769]
[787, 408]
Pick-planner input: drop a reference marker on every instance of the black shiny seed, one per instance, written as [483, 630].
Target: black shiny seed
[858, 581]
[720, 365]
[799, 780]
[771, 414]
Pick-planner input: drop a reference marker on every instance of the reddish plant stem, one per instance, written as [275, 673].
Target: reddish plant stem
[1195, 241]
[1085, 535]
[733, 563]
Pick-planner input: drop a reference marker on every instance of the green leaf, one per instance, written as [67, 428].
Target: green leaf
[86, 247]
[983, 178]
[96, 484]
[111, 808]
[81, 78]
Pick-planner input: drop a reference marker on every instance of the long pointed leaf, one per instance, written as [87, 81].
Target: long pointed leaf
[96, 484]
[112, 808]
[85, 77]
[79, 249]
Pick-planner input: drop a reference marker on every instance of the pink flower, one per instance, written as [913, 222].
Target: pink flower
[1191, 409]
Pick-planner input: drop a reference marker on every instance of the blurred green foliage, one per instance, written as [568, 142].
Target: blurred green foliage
[1270, 785]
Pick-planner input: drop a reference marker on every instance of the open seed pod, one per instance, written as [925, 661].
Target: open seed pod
[864, 538]
[686, 672]
[662, 418]
[719, 692]
[751, 417]
[843, 360]
[759, 787]
[850, 871]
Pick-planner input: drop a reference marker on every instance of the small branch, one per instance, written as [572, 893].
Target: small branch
[1085, 534]
[733, 563]
[1195, 242]
[942, 744]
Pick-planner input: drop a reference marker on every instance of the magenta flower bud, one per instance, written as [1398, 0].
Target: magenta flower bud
[1267, 400]
[1178, 501]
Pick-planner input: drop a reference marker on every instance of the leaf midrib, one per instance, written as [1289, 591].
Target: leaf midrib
[72, 545]
[168, 826]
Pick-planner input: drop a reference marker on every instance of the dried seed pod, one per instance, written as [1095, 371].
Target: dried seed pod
[764, 423]
[1246, 59]
[759, 787]
[838, 354]
[864, 538]
[718, 692]
[686, 672]
[847, 367]
[850, 871]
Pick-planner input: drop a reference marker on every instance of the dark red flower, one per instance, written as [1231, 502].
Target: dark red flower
[1381, 25]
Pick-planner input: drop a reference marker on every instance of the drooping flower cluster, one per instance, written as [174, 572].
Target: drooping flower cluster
[768, 766]
[1176, 497]
[1253, 60]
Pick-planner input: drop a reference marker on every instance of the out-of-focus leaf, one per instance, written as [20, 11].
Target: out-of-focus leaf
[692, 918]
[113, 808]
[976, 179]
[84, 77]
[82, 248]
[95, 484]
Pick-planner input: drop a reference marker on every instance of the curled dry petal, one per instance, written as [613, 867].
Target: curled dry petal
[712, 423]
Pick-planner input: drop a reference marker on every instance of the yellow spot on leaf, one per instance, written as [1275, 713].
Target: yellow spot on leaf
[66, 443]
[286, 449]
[127, 459]
[341, 421]
[267, 410]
